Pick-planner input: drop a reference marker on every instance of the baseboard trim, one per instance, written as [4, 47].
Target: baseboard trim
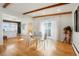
[75, 49]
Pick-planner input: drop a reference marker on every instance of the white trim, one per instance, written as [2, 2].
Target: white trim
[75, 50]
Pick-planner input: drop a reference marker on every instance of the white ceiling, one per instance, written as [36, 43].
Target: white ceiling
[18, 8]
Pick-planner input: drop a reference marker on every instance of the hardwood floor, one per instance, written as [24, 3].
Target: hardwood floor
[24, 47]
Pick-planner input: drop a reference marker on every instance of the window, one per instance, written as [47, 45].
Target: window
[49, 29]
[9, 29]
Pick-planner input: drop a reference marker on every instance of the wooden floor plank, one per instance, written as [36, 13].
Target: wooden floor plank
[17, 47]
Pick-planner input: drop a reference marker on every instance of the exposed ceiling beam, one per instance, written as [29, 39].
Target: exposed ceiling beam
[62, 13]
[51, 6]
[6, 5]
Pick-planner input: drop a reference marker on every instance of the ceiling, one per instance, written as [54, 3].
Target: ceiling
[17, 9]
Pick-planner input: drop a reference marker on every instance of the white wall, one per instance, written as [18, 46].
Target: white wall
[75, 34]
[62, 21]
[1, 31]
[24, 25]
[10, 17]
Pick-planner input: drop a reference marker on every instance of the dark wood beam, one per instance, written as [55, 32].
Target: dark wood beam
[62, 13]
[51, 6]
[6, 5]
